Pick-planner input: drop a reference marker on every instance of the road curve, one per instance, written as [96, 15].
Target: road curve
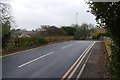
[51, 61]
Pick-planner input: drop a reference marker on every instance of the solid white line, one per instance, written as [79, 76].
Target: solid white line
[79, 74]
[34, 60]
[80, 61]
[66, 46]
[76, 62]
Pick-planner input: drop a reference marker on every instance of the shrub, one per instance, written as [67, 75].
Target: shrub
[39, 40]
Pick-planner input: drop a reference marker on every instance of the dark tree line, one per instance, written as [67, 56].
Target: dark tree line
[108, 15]
[78, 31]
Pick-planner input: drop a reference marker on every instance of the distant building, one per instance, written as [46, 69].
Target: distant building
[30, 33]
[23, 35]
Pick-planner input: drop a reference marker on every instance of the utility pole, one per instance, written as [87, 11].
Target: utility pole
[76, 18]
[76, 26]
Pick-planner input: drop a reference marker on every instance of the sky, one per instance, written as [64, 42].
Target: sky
[31, 14]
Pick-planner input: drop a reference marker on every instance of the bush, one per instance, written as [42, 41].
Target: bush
[39, 40]
[24, 42]
[107, 14]
[28, 41]
[58, 38]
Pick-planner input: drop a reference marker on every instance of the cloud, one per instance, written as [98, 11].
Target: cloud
[30, 14]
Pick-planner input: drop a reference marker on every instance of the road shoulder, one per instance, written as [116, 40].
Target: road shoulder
[96, 64]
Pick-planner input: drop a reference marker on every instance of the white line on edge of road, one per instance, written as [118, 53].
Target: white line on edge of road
[83, 67]
[81, 60]
[76, 61]
[35, 59]
[66, 46]
[80, 73]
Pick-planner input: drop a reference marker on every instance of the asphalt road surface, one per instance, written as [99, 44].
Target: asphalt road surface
[51, 61]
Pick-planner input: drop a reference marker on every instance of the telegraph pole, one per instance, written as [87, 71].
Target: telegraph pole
[76, 18]
[76, 25]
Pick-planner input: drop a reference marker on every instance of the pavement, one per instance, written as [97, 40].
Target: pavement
[59, 60]
[96, 64]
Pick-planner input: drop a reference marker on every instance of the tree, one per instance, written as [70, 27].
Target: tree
[81, 32]
[48, 30]
[108, 15]
[6, 20]
[77, 31]
[84, 31]
[69, 30]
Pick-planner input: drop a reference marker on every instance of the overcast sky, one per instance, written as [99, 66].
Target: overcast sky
[30, 14]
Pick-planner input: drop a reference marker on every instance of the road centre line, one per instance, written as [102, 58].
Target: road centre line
[65, 75]
[35, 59]
[66, 46]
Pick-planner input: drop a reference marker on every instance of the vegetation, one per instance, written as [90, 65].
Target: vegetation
[10, 37]
[6, 21]
[108, 15]
[21, 38]
[69, 30]
[107, 42]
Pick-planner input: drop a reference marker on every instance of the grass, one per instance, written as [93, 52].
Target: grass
[0, 52]
[107, 44]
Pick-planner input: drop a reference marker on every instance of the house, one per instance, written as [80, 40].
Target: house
[23, 35]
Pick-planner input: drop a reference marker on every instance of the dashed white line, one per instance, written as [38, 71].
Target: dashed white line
[34, 59]
[66, 46]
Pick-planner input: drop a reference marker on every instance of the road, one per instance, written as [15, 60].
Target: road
[51, 61]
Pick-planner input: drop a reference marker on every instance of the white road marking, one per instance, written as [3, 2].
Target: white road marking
[76, 67]
[15, 53]
[34, 59]
[79, 74]
[66, 46]
[77, 61]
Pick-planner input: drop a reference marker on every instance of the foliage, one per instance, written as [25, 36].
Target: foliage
[69, 30]
[81, 32]
[29, 41]
[36, 40]
[58, 38]
[85, 33]
[47, 30]
[107, 42]
[5, 33]
[108, 15]
[39, 40]
[6, 20]
[100, 35]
